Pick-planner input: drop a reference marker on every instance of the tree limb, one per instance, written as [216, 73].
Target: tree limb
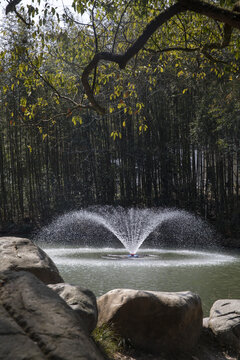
[230, 18]
[56, 92]
[123, 59]
[11, 5]
[212, 11]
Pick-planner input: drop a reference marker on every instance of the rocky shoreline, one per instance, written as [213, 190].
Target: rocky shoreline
[41, 317]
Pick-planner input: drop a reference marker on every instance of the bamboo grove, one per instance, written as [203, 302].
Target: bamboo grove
[170, 137]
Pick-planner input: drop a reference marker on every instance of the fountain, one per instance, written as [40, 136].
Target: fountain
[130, 226]
[164, 250]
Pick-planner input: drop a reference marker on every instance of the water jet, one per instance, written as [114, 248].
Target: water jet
[131, 227]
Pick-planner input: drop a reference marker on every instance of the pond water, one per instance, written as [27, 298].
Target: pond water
[213, 275]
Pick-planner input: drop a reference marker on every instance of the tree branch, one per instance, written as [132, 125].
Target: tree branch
[11, 5]
[123, 59]
[56, 92]
[212, 11]
[174, 48]
[119, 23]
[96, 44]
[230, 18]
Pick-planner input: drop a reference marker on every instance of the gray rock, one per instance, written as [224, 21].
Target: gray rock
[224, 322]
[22, 254]
[206, 323]
[153, 321]
[83, 301]
[14, 342]
[48, 326]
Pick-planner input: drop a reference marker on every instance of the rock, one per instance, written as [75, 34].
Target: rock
[206, 323]
[153, 321]
[14, 342]
[42, 319]
[224, 322]
[83, 301]
[21, 254]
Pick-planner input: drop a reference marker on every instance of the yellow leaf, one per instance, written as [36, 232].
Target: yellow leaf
[97, 89]
[44, 136]
[230, 77]
[180, 73]
[121, 104]
[29, 148]
[184, 91]
[124, 123]
[76, 119]
[111, 109]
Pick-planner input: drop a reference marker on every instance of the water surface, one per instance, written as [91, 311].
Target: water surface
[213, 275]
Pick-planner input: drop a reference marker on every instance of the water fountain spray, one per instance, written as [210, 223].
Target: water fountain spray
[130, 226]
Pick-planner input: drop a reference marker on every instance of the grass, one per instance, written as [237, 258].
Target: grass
[108, 340]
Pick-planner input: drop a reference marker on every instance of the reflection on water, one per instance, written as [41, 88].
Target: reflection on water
[212, 275]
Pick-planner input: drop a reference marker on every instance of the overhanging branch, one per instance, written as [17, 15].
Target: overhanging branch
[226, 16]
[123, 59]
[230, 18]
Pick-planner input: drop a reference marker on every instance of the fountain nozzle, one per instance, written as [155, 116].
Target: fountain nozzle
[133, 255]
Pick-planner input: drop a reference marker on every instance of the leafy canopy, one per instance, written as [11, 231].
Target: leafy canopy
[139, 36]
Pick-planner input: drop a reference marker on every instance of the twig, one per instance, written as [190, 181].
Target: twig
[76, 105]
[118, 26]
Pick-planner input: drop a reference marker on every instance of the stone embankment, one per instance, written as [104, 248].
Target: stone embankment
[41, 317]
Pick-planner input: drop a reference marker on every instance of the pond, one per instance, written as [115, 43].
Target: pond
[213, 275]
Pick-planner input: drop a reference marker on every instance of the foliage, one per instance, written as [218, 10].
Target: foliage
[111, 32]
[108, 341]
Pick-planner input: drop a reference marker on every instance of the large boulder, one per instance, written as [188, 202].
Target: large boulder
[224, 321]
[39, 318]
[22, 254]
[154, 321]
[83, 301]
[14, 342]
